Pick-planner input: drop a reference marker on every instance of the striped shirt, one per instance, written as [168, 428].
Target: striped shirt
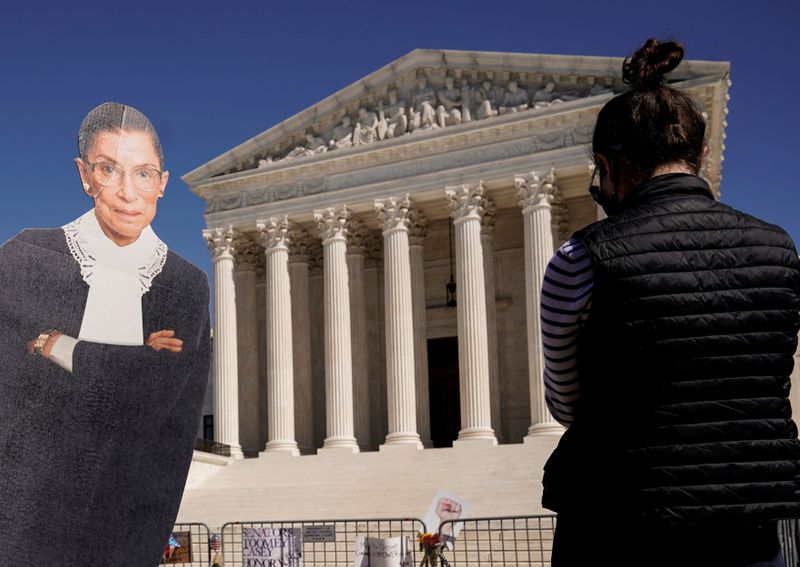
[566, 302]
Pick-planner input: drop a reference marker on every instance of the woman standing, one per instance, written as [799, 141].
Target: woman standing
[669, 330]
[104, 353]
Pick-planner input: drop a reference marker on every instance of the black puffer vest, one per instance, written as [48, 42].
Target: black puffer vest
[684, 365]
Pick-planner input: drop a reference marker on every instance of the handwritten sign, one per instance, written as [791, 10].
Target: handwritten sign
[319, 534]
[271, 547]
[379, 552]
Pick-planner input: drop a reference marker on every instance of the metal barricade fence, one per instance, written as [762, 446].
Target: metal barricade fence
[512, 540]
[789, 534]
[194, 550]
[528, 540]
[324, 542]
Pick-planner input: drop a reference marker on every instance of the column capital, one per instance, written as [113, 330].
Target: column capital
[300, 244]
[332, 222]
[220, 241]
[465, 200]
[247, 253]
[393, 213]
[274, 233]
[532, 191]
[357, 236]
[489, 217]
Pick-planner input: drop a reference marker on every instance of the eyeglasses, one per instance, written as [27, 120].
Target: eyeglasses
[146, 179]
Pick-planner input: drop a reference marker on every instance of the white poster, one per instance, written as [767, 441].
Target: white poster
[271, 547]
[382, 552]
[446, 506]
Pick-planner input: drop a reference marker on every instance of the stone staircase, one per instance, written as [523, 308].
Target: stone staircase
[501, 480]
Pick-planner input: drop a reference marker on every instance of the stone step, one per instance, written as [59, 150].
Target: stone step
[498, 480]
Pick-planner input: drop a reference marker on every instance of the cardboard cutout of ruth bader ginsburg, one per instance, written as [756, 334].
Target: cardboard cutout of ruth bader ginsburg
[104, 355]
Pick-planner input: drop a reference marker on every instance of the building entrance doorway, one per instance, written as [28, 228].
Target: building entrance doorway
[445, 401]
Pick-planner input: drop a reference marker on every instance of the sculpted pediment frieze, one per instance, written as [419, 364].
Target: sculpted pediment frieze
[428, 100]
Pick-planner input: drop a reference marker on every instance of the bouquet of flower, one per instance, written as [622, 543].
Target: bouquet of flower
[432, 548]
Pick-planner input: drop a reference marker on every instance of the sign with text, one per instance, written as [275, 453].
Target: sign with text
[271, 547]
[382, 552]
[319, 534]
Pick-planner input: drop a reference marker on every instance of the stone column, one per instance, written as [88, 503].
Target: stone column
[299, 247]
[473, 348]
[225, 360]
[487, 243]
[393, 215]
[248, 254]
[280, 363]
[357, 235]
[536, 198]
[376, 336]
[316, 291]
[338, 354]
[417, 230]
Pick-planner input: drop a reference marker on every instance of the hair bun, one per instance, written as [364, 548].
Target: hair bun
[647, 67]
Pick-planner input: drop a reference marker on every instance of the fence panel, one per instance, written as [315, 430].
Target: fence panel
[789, 534]
[325, 542]
[490, 542]
[528, 540]
[194, 550]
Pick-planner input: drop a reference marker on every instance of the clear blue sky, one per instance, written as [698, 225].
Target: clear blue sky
[210, 75]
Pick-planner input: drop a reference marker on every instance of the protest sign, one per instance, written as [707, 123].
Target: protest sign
[271, 547]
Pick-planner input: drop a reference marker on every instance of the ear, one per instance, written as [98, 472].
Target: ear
[605, 172]
[83, 171]
[164, 179]
[86, 178]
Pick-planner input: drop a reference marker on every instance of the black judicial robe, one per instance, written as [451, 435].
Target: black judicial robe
[93, 462]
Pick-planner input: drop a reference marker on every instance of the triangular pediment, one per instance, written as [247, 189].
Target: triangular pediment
[429, 90]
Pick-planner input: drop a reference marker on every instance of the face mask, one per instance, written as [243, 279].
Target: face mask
[610, 203]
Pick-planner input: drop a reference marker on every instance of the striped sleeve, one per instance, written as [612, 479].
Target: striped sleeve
[566, 301]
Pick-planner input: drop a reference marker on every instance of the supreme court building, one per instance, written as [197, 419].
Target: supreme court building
[334, 236]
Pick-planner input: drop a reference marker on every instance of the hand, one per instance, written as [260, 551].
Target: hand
[48, 346]
[447, 509]
[165, 340]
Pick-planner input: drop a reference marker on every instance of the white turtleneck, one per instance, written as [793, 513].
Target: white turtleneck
[117, 276]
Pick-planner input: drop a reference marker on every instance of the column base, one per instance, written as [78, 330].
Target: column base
[547, 428]
[236, 453]
[282, 448]
[402, 441]
[339, 445]
[482, 435]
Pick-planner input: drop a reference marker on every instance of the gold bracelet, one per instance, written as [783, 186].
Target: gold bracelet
[41, 340]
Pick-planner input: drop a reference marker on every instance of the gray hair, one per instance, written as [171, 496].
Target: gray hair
[114, 117]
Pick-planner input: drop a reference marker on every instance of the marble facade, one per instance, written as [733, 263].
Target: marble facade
[331, 242]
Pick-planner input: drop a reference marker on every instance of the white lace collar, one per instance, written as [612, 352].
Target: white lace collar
[143, 259]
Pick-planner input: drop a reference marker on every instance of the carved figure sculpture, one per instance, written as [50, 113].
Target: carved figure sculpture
[515, 99]
[392, 119]
[342, 135]
[485, 107]
[366, 129]
[316, 144]
[423, 99]
[596, 88]
[449, 110]
[544, 96]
